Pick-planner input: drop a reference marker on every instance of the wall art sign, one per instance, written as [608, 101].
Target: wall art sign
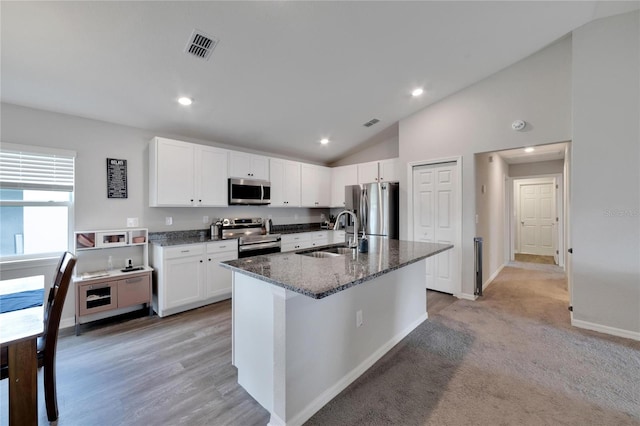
[116, 178]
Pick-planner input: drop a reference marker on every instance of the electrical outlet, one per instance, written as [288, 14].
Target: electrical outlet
[132, 222]
[358, 319]
[205, 219]
[168, 220]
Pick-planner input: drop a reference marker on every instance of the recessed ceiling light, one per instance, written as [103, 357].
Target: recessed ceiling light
[417, 92]
[530, 149]
[324, 141]
[185, 101]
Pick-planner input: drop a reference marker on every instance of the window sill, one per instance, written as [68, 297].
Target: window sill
[16, 264]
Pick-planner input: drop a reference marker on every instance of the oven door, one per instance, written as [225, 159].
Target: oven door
[258, 249]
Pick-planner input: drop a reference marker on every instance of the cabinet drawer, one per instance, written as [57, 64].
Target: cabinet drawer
[183, 251]
[219, 247]
[134, 291]
[296, 238]
[320, 235]
[94, 298]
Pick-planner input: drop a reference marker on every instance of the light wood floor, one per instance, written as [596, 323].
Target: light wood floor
[156, 371]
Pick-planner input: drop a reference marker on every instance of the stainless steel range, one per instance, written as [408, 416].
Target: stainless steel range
[252, 237]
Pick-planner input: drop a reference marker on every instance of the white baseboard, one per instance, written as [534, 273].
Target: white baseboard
[466, 296]
[628, 334]
[492, 277]
[349, 378]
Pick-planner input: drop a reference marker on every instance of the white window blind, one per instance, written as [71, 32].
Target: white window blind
[26, 169]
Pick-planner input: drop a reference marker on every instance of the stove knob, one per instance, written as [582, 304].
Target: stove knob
[225, 222]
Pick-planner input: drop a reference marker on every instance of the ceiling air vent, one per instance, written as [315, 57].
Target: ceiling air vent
[371, 122]
[201, 44]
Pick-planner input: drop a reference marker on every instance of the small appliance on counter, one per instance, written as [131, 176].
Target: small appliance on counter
[216, 229]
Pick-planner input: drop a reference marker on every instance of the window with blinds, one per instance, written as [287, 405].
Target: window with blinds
[36, 201]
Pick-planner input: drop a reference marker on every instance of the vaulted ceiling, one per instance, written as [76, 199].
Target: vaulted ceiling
[283, 75]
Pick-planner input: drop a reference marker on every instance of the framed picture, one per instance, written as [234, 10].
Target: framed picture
[116, 178]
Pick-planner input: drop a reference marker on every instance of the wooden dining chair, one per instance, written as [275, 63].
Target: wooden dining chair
[49, 340]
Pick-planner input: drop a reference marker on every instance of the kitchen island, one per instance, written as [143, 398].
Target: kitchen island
[305, 327]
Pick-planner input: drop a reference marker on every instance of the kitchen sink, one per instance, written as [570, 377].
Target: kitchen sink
[338, 250]
[326, 252]
[320, 254]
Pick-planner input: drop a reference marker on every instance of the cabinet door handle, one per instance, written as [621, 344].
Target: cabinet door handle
[222, 246]
[209, 259]
[133, 280]
[184, 251]
[200, 261]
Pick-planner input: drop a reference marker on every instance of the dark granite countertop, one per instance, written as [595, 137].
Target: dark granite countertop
[178, 238]
[321, 277]
[198, 236]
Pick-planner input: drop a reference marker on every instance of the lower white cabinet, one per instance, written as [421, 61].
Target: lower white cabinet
[336, 237]
[299, 241]
[305, 240]
[319, 238]
[189, 276]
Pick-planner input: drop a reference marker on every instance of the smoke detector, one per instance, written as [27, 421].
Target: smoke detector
[201, 45]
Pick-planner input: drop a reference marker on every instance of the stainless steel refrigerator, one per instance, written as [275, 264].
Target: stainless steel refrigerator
[377, 207]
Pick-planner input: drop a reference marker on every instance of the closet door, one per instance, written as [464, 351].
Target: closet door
[434, 220]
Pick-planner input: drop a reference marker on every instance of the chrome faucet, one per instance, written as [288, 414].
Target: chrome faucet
[352, 243]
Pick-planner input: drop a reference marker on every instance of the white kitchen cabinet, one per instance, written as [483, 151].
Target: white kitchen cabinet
[379, 171]
[285, 183]
[211, 176]
[189, 276]
[336, 237]
[389, 170]
[182, 276]
[298, 241]
[183, 174]
[341, 177]
[315, 184]
[319, 238]
[219, 279]
[248, 166]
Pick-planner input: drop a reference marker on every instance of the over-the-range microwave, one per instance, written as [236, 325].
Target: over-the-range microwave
[249, 192]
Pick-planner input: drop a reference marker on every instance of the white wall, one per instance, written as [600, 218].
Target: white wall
[381, 147]
[535, 169]
[478, 119]
[605, 210]
[490, 208]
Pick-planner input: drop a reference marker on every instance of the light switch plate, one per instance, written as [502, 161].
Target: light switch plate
[168, 220]
[132, 222]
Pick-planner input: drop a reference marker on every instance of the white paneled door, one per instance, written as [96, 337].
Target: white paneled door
[537, 211]
[435, 220]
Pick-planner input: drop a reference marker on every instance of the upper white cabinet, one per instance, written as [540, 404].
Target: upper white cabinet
[379, 171]
[341, 177]
[183, 174]
[248, 166]
[285, 183]
[315, 185]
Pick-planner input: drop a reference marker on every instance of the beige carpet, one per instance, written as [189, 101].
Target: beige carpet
[511, 358]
